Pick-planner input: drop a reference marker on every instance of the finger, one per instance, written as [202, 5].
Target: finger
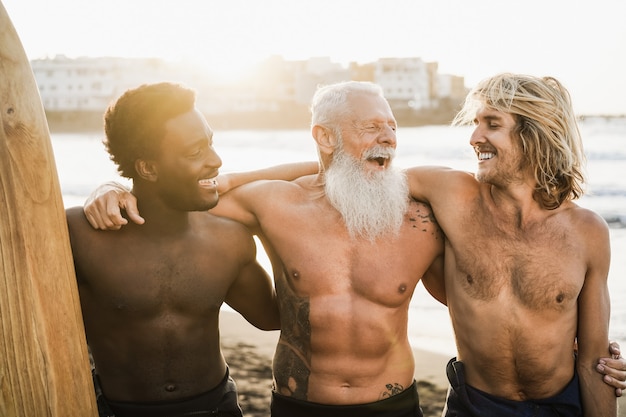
[130, 204]
[112, 217]
[94, 218]
[91, 219]
[614, 378]
[613, 383]
[614, 368]
[614, 348]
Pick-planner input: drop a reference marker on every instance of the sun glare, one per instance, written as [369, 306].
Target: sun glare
[228, 37]
[224, 71]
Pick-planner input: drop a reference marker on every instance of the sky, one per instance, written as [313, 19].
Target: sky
[580, 42]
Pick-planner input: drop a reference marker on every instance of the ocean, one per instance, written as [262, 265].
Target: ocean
[82, 164]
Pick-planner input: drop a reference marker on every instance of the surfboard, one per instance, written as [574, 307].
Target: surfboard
[44, 363]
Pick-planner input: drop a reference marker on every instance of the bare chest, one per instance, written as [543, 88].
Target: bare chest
[150, 280]
[319, 258]
[541, 268]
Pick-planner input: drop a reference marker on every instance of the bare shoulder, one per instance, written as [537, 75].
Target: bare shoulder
[76, 220]
[588, 223]
[587, 220]
[222, 237]
[432, 172]
[431, 183]
[74, 213]
[217, 226]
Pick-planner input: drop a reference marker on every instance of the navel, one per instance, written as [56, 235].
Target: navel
[469, 278]
[170, 388]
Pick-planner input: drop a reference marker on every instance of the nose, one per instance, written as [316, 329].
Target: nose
[213, 160]
[388, 136]
[476, 137]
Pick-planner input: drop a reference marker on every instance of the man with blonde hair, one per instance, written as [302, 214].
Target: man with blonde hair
[348, 267]
[525, 267]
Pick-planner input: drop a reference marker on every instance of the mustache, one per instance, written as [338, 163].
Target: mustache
[380, 151]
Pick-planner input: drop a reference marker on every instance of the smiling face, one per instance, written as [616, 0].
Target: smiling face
[369, 132]
[187, 164]
[500, 158]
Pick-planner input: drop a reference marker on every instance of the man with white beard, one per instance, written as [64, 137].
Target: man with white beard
[348, 248]
[361, 196]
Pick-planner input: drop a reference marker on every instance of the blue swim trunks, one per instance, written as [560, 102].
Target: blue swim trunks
[465, 401]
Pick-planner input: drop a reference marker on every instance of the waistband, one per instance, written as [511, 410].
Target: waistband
[479, 403]
[197, 405]
[404, 404]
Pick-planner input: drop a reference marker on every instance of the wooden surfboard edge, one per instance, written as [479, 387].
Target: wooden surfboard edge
[44, 364]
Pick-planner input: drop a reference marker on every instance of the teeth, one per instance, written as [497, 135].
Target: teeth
[209, 181]
[482, 156]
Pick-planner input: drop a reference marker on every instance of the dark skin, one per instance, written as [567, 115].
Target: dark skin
[151, 294]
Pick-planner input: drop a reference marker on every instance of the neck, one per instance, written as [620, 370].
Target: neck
[515, 205]
[159, 217]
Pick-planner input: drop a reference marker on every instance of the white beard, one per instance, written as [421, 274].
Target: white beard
[371, 204]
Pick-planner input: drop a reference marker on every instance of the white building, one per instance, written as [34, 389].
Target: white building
[91, 84]
[406, 82]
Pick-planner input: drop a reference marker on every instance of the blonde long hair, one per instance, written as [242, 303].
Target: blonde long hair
[546, 127]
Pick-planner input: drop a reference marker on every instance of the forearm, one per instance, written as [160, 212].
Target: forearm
[285, 172]
[598, 399]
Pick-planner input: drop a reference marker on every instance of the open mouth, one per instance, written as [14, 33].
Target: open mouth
[208, 183]
[485, 156]
[378, 161]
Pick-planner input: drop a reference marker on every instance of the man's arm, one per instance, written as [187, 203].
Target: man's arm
[104, 204]
[434, 282]
[284, 172]
[598, 399]
[252, 294]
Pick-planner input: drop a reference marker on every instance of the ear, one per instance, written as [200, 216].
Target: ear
[146, 169]
[326, 140]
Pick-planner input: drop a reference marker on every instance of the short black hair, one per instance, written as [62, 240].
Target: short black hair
[134, 124]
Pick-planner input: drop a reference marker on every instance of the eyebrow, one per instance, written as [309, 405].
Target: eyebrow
[490, 117]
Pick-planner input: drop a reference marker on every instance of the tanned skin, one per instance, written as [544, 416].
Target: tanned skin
[151, 294]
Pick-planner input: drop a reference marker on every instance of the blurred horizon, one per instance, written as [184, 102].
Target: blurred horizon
[581, 43]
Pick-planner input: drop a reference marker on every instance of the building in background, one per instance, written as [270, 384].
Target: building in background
[277, 93]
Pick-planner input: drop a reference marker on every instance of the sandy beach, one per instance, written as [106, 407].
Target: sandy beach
[249, 352]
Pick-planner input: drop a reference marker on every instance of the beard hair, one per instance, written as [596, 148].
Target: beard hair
[372, 204]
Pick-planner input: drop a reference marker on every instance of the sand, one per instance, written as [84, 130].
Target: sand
[249, 353]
